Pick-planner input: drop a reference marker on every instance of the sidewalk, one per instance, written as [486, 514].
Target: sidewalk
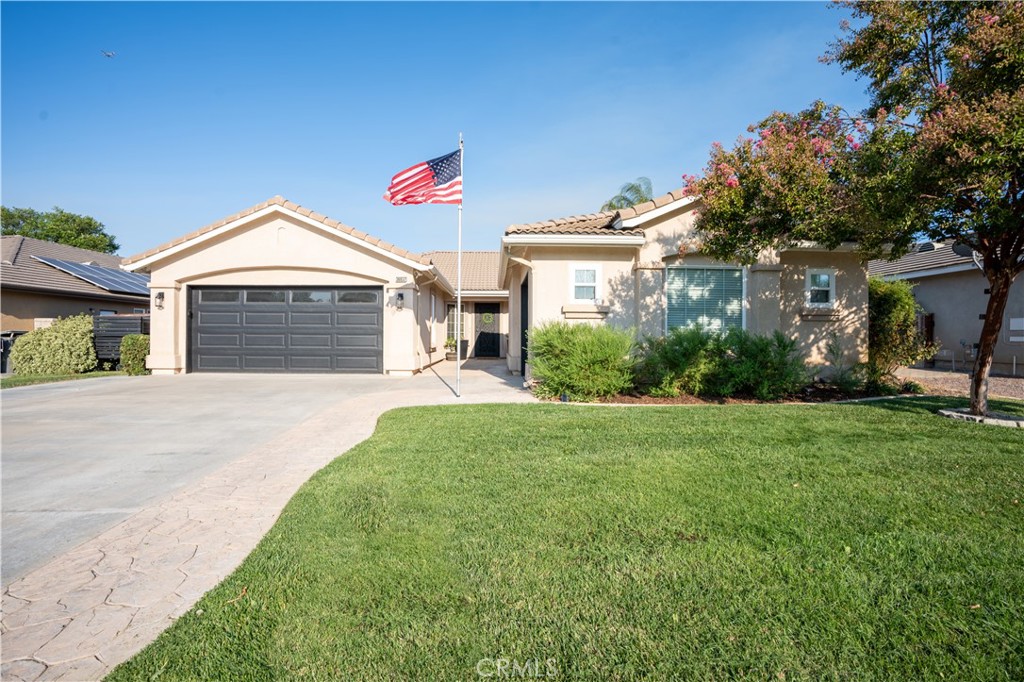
[97, 605]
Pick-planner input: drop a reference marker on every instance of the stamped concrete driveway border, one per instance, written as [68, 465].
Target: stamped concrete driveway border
[100, 603]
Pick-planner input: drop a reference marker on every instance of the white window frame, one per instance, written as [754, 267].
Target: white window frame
[598, 293]
[808, 276]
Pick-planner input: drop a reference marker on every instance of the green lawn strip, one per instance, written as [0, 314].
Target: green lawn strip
[16, 380]
[872, 541]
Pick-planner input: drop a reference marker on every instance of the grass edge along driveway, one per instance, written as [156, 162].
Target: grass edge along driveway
[870, 542]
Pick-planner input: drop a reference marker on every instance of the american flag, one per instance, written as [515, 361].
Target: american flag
[438, 181]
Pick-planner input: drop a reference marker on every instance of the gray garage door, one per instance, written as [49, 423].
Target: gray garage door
[287, 329]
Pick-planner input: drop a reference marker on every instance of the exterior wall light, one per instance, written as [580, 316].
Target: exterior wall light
[159, 299]
[399, 301]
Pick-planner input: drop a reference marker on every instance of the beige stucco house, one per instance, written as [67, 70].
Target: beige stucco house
[280, 288]
[641, 268]
[951, 288]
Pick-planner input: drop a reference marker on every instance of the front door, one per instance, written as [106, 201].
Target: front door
[488, 341]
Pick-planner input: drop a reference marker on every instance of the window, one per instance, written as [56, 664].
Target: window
[584, 279]
[450, 311]
[820, 288]
[312, 297]
[709, 297]
[264, 297]
[219, 296]
[357, 297]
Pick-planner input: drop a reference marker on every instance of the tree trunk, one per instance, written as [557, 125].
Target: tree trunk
[999, 285]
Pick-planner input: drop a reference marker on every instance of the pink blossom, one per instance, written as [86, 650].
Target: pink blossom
[789, 146]
[856, 146]
[732, 182]
[849, 138]
[991, 19]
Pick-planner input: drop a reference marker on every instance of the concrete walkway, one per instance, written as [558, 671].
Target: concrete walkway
[98, 604]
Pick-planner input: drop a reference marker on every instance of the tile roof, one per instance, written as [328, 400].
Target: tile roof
[20, 270]
[591, 223]
[479, 268]
[597, 223]
[292, 206]
[924, 256]
[656, 202]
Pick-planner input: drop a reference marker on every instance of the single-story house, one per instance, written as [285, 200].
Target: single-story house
[280, 288]
[951, 288]
[43, 280]
[641, 268]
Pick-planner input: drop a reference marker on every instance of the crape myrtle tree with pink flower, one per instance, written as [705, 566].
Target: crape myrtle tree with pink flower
[938, 155]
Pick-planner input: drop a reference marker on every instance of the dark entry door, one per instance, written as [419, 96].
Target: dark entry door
[488, 341]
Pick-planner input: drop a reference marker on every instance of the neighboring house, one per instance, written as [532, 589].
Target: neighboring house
[43, 280]
[641, 268]
[952, 288]
[279, 288]
[484, 303]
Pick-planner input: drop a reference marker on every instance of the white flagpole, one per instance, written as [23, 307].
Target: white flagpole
[458, 289]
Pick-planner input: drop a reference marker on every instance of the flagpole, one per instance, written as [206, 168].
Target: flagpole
[458, 287]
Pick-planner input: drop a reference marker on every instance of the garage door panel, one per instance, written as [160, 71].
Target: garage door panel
[370, 319]
[219, 317]
[220, 340]
[355, 364]
[311, 362]
[263, 363]
[265, 341]
[310, 319]
[266, 319]
[350, 342]
[219, 362]
[287, 329]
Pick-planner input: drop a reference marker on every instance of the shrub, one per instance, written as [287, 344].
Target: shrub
[709, 364]
[765, 367]
[893, 340]
[65, 347]
[134, 349]
[684, 361]
[580, 361]
[849, 379]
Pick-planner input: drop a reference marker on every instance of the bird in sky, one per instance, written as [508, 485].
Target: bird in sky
[108, 55]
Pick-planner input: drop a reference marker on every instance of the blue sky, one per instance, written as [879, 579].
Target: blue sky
[209, 108]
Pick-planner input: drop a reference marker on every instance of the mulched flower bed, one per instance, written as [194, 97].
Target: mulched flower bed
[815, 393]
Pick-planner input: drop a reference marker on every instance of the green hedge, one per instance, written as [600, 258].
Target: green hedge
[65, 347]
[134, 349]
[893, 340]
[706, 363]
[580, 361]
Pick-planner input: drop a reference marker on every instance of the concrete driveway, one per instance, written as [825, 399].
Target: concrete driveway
[126, 499]
[78, 457]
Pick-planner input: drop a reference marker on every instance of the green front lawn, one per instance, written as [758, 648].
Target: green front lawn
[15, 380]
[799, 542]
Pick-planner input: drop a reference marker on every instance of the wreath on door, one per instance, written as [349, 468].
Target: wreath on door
[487, 318]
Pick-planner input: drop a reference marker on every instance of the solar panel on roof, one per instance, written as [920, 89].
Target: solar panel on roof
[113, 280]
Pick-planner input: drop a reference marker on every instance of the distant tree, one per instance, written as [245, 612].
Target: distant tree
[630, 194]
[58, 226]
[939, 155]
